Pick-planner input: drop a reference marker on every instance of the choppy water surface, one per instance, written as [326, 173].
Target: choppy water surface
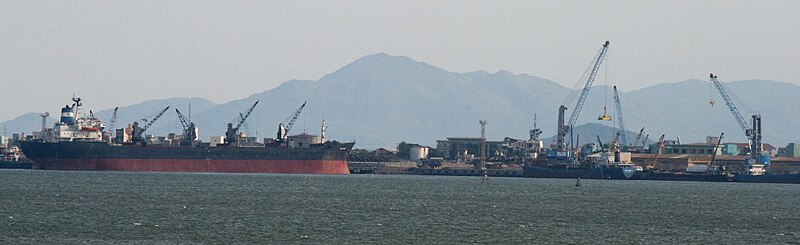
[117, 207]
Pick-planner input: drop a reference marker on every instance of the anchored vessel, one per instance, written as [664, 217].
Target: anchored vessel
[10, 158]
[80, 143]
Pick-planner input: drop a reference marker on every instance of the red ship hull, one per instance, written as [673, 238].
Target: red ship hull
[198, 165]
[328, 158]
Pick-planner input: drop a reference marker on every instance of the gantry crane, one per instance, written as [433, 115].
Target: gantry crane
[232, 133]
[753, 133]
[189, 130]
[138, 132]
[564, 129]
[288, 123]
[619, 117]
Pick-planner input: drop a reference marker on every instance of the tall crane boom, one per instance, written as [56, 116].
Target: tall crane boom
[150, 123]
[231, 134]
[638, 137]
[294, 117]
[564, 129]
[189, 133]
[619, 117]
[714, 154]
[735, 111]
[246, 115]
[753, 133]
[183, 120]
[659, 149]
[288, 123]
[113, 121]
[138, 132]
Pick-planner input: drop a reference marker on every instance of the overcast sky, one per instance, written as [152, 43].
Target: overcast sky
[123, 52]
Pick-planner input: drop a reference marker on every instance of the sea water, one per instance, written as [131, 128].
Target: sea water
[67, 207]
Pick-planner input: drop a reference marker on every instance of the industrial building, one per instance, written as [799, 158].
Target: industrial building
[455, 147]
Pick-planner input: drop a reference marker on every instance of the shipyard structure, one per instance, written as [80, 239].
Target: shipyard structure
[80, 141]
[565, 157]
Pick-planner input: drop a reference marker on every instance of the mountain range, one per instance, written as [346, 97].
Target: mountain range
[380, 100]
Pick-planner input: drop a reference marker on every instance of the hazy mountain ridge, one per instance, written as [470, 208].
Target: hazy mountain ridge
[379, 100]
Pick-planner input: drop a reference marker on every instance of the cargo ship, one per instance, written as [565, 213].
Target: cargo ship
[583, 172]
[683, 176]
[80, 143]
[769, 178]
[602, 165]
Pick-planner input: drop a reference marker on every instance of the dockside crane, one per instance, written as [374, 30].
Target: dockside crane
[753, 133]
[138, 132]
[232, 133]
[644, 141]
[600, 143]
[288, 123]
[659, 149]
[189, 130]
[638, 137]
[564, 129]
[714, 154]
[619, 117]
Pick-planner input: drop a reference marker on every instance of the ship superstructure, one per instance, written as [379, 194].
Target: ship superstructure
[75, 126]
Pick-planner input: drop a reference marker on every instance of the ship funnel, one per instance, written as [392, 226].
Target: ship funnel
[67, 115]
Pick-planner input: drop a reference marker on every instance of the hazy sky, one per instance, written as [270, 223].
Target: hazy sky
[123, 52]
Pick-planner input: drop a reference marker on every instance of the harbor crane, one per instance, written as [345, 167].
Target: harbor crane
[619, 117]
[638, 137]
[659, 149]
[138, 132]
[714, 154]
[288, 123]
[189, 130]
[564, 129]
[600, 144]
[644, 141]
[232, 133]
[753, 133]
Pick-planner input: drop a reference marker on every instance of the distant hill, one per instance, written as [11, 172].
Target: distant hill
[380, 100]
